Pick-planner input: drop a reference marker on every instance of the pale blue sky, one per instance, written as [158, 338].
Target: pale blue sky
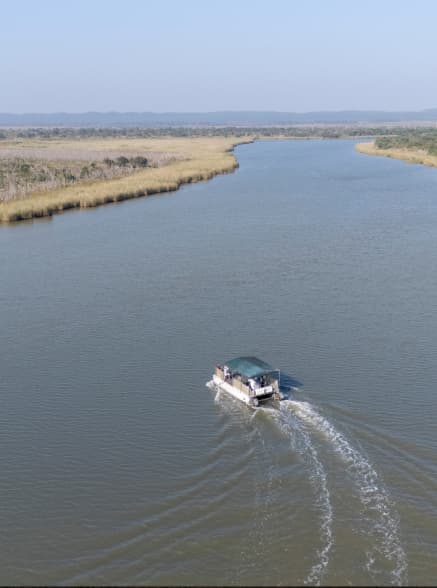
[200, 55]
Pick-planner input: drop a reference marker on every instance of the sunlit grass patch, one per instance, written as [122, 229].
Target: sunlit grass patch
[410, 155]
[204, 158]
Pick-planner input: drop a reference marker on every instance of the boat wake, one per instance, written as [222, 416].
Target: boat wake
[303, 444]
[308, 431]
[374, 497]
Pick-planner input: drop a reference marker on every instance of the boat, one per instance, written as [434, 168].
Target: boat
[248, 379]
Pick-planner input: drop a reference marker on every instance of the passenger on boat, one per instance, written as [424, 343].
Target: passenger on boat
[253, 384]
[226, 372]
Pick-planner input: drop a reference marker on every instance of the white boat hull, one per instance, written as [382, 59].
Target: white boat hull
[222, 385]
[253, 401]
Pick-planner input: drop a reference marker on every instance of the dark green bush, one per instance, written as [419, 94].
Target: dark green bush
[139, 161]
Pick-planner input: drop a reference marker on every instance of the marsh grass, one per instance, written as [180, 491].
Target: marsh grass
[419, 156]
[203, 158]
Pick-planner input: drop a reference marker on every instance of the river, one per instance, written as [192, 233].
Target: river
[118, 465]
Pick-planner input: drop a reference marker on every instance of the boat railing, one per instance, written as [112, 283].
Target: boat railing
[237, 383]
[234, 381]
[265, 390]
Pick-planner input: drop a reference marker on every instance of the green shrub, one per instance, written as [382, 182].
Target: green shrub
[122, 161]
[139, 161]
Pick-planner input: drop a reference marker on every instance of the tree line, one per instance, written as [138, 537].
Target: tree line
[325, 132]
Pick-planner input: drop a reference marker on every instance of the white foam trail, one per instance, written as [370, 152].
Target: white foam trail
[262, 497]
[319, 480]
[373, 495]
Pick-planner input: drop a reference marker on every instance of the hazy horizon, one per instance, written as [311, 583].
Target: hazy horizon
[197, 57]
[219, 118]
[223, 111]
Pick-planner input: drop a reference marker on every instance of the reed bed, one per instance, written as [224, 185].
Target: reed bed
[78, 154]
[405, 154]
[204, 158]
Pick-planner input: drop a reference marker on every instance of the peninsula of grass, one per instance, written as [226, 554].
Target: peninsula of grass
[409, 151]
[183, 160]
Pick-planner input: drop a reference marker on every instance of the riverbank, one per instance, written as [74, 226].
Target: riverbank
[198, 159]
[405, 154]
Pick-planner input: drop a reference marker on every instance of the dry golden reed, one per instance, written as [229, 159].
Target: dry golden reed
[409, 155]
[205, 158]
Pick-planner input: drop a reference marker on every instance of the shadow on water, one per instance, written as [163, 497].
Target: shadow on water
[289, 383]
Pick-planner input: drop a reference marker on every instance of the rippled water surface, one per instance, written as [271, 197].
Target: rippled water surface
[118, 465]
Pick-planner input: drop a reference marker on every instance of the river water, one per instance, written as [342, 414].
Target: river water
[118, 465]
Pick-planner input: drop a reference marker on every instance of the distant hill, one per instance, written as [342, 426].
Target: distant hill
[225, 118]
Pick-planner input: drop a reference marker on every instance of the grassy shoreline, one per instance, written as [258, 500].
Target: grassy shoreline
[206, 158]
[418, 156]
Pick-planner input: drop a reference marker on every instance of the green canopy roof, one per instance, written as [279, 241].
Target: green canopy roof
[250, 367]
